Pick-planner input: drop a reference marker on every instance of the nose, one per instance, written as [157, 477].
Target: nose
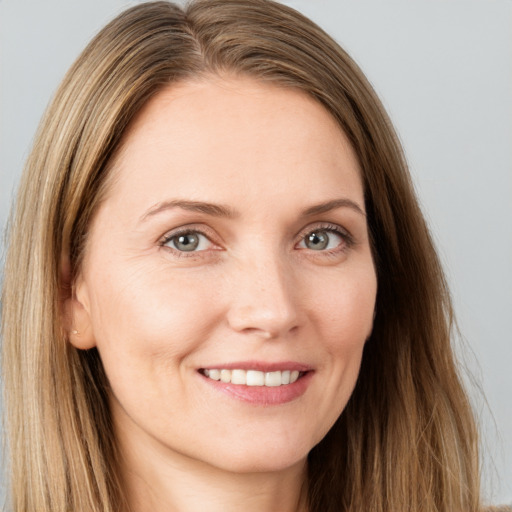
[264, 296]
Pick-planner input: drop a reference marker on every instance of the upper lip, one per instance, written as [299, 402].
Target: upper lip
[262, 366]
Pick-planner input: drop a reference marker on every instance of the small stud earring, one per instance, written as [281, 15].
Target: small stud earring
[75, 332]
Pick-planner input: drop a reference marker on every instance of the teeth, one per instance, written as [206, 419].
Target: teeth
[272, 379]
[238, 377]
[225, 376]
[253, 377]
[213, 374]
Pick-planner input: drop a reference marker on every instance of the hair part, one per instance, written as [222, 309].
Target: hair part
[406, 440]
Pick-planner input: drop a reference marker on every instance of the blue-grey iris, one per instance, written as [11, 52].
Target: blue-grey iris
[317, 241]
[187, 242]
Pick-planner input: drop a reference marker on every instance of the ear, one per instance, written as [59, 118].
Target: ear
[76, 318]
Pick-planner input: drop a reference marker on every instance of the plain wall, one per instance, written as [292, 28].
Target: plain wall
[443, 70]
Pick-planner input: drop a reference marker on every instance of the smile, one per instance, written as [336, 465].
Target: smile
[253, 377]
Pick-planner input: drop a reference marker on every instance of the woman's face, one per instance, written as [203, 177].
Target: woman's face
[232, 244]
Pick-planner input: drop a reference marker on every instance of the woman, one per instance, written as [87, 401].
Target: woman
[220, 290]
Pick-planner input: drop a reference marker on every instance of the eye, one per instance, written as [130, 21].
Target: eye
[188, 241]
[321, 240]
[324, 239]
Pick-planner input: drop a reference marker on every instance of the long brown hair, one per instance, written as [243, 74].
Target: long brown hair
[406, 440]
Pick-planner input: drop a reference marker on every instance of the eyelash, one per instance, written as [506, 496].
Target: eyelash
[348, 240]
[181, 232]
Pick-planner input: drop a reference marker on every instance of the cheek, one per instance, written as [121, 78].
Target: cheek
[342, 316]
[345, 309]
[150, 313]
[345, 317]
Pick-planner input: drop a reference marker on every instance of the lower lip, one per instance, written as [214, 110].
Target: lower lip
[263, 395]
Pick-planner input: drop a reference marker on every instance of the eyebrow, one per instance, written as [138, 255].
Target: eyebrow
[219, 210]
[333, 205]
[215, 210]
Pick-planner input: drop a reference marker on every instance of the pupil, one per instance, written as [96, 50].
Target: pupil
[186, 242]
[317, 241]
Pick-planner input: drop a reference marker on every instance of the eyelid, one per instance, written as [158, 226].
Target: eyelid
[207, 232]
[184, 230]
[328, 226]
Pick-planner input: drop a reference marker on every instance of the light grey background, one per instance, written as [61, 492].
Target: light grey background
[443, 70]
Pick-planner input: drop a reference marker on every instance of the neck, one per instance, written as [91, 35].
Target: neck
[188, 487]
[154, 481]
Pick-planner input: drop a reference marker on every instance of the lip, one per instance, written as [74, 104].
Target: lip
[261, 366]
[262, 395]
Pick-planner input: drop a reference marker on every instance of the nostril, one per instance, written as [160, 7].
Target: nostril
[258, 332]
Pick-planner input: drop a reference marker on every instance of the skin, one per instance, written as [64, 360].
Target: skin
[254, 290]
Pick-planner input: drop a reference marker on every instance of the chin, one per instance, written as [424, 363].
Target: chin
[262, 457]
[258, 464]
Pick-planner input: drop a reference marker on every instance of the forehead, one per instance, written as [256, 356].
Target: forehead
[212, 137]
